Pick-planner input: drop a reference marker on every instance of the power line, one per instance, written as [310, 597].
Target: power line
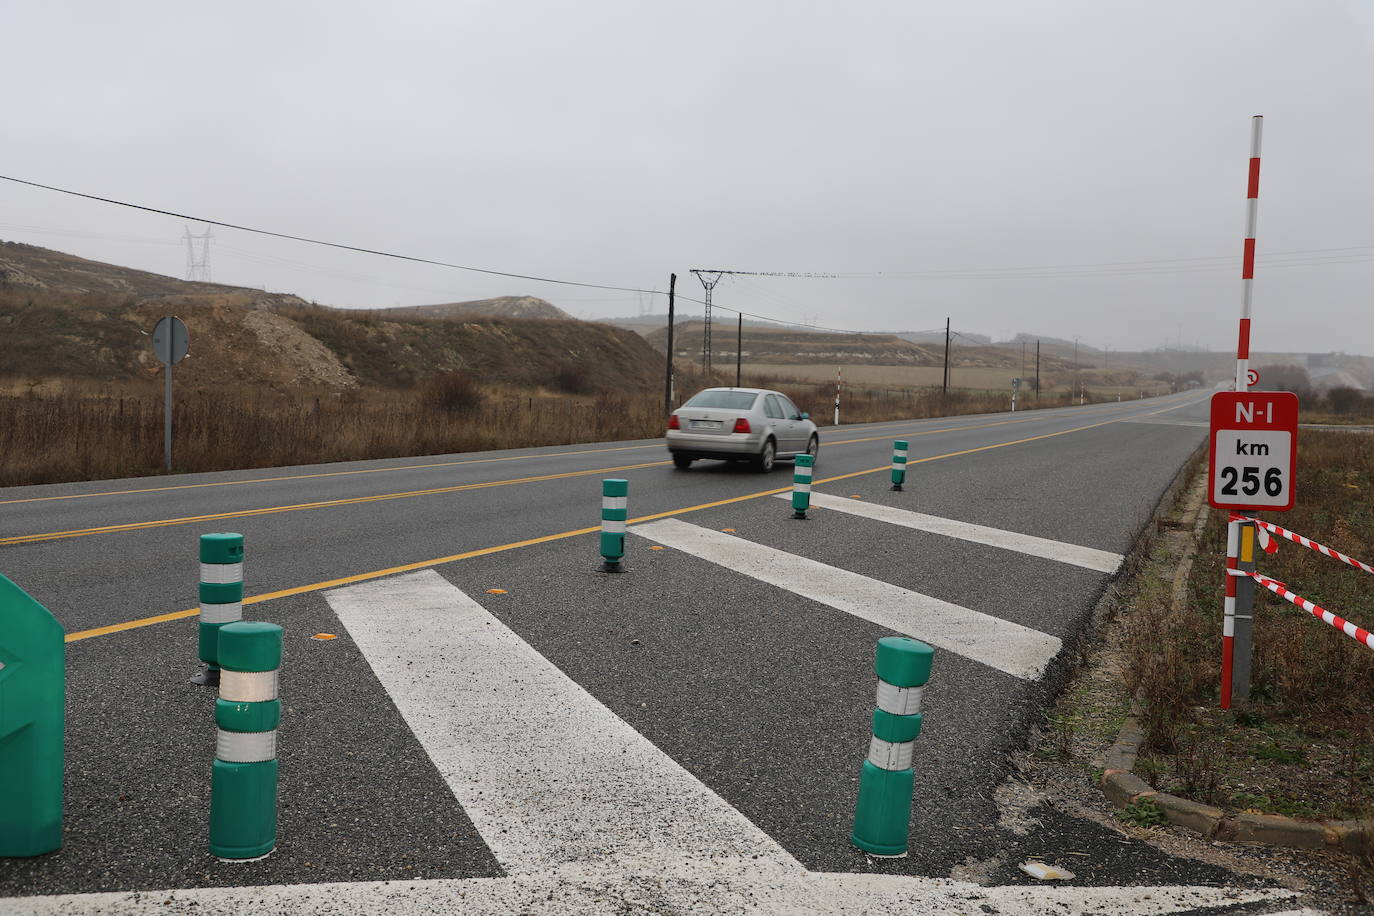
[338, 245]
[384, 254]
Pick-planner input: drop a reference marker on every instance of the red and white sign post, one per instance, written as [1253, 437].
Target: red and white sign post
[1247, 267]
[1252, 459]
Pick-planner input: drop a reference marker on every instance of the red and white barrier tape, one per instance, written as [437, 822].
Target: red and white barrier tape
[1359, 634]
[1306, 542]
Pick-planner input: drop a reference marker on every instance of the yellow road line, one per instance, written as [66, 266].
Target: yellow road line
[19, 539]
[437, 464]
[484, 551]
[407, 467]
[269, 510]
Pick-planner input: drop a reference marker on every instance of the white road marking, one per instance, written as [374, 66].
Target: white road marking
[651, 895]
[1198, 424]
[994, 642]
[551, 778]
[1073, 554]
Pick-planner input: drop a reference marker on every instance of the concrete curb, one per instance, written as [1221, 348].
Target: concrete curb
[1123, 788]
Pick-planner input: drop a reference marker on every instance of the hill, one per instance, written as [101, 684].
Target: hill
[499, 307]
[795, 346]
[33, 268]
[65, 319]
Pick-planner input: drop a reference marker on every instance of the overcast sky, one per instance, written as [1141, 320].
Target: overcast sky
[977, 154]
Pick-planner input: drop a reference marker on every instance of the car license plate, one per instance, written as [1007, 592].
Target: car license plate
[704, 424]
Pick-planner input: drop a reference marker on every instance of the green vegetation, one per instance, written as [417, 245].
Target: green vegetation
[1142, 813]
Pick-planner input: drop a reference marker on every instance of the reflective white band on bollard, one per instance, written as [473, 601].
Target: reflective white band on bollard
[245, 747]
[248, 686]
[613, 526]
[615, 502]
[900, 701]
[890, 755]
[221, 573]
[221, 613]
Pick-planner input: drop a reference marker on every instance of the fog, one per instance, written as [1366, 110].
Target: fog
[1069, 169]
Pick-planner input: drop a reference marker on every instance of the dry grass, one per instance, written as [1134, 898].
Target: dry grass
[82, 432]
[1304, 745]
[1055, 385]
[68, 437]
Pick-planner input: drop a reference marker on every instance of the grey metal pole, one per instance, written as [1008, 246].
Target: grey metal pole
[739, 348]
[1245, 614]
[167, 419]
[668, 379]
[945, 387]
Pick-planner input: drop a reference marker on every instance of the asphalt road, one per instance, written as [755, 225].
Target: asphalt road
[761, 693]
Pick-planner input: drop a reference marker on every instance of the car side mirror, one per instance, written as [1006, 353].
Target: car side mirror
[802, 416]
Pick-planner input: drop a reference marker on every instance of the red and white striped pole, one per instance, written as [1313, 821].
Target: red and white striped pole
[1228, 625]
[1247, 270]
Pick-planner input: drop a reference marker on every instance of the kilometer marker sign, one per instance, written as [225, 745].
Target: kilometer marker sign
[1254, 450]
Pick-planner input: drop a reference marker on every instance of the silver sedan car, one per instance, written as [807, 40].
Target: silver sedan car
[740, 424]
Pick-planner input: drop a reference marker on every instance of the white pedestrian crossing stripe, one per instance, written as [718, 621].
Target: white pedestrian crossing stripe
[549, 776]
[1059, 551]
[707, 893]
[997, 643]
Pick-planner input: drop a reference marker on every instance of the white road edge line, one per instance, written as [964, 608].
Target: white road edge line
[551, 778]
[1059, 551]
[646, 894]
[992, 641]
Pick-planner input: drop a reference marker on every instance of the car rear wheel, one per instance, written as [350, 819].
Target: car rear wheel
[763, 461]
[681, 463]
[813, 448]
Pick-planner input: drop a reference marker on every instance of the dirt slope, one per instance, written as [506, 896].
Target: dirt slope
[500, 307]
[65, 319]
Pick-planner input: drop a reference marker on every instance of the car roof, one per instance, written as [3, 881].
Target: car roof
[747, 390]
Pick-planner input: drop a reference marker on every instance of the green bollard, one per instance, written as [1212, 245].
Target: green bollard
[898, 464]
[882, 818]
[243, 781]
[802, 469]
[221, 597]
[614, 511]
[33, 687]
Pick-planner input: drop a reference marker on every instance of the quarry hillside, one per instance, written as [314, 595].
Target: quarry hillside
[65, 319]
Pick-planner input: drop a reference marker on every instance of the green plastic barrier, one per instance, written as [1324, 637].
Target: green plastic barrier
[614, 511]
[243, 778]
[33, 688]
[883, 814]
[802, 469]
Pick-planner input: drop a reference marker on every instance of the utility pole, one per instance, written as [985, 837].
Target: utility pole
[668, 374]
[1023, 359]
[1037, 372]
[1076, 383]
[710, 285]
[945, 387]
[739, 348]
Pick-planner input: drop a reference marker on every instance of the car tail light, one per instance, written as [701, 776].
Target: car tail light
[672, 422]
[742, 425]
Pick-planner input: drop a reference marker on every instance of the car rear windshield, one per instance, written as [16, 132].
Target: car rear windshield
[730, 400]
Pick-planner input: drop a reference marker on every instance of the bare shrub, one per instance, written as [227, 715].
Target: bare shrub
[456, 392]
[1345, 401]
[571, 377]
